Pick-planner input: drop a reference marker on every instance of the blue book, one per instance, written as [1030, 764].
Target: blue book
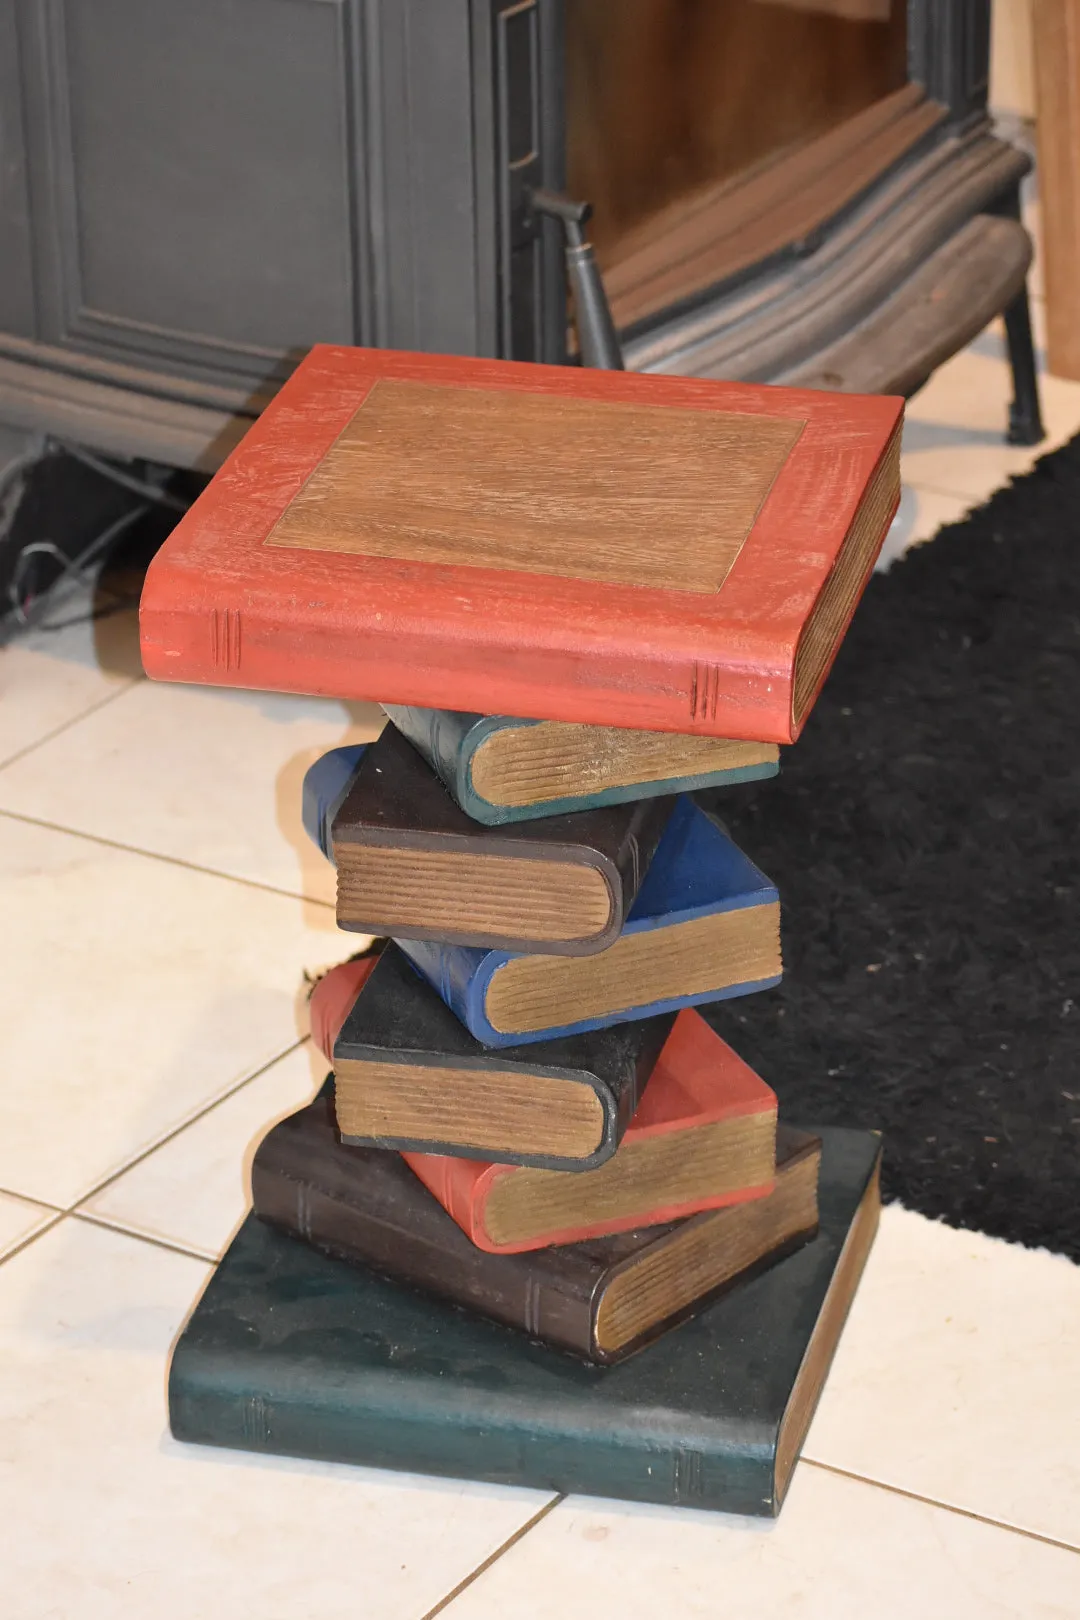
[500, 769]
[325, 786]
[705, 926]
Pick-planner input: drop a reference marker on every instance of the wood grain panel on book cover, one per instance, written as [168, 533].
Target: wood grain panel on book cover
[831, 1318]
[528, 764]
[733, 1157]
[704, 1253]
[541, 484]
[490, 894]
[655, 965]
[487, 1109]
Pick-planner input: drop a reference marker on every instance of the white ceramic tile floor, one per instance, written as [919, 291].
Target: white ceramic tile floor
[956, 1377]
[48, 678]
[194, 1190]
[198, 774]
[842, 1549]
[20, 1219]
[164, 907]
[103, 1515]
[139, 991]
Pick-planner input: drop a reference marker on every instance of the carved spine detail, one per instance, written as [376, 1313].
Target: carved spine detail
[225, 638]
[687, 1475]
[704, 690]
[255, 1420]
[531, 1313]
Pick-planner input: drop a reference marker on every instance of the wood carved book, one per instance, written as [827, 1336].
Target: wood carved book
[292, 1352]
[705, 926]
[501, 769]
[410, 1076]
[601, 1300]
[412, 864]
[561, 543]
[703, 1136]
[325, 786]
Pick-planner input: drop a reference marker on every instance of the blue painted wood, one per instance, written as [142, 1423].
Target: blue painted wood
[696, 872]
[325, 786]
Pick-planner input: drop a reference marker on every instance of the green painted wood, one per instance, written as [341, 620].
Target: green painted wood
[291, 1352]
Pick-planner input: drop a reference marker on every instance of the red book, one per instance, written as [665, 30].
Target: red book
[332, 999]
[664, 553]
[703, 1136]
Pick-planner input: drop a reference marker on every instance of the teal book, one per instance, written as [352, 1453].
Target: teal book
[289, 1351]
[500, 769]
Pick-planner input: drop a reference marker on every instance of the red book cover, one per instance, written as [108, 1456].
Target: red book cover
[699, 1087]
[665, 553]
[332, 999]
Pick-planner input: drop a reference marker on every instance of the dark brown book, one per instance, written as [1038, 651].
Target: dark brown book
[412, 864]
[602, 1299]
[290, 1351]
[410, 1076]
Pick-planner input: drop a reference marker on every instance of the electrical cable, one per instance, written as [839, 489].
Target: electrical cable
[137, 486]
[71, 567]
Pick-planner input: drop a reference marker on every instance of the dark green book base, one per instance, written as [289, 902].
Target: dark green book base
[294, 1353]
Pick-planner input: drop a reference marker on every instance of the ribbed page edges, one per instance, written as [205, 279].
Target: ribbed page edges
[654, 1172]
[658, 964]
[488, 1109]
[833, 607]
[519, 765]
[489, 894]
[830, 1322]
[705, 1253]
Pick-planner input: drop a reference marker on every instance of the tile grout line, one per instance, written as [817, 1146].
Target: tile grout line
[66, 725]
[946, 1507]
[25, 1198]
[247, 1080]
[493, 1558]
[139, 1237]
[167, 860]
[31, 1237]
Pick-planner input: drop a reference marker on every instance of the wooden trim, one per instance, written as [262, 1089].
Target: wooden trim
[1057, 85]
[722, 231]
[117, 419]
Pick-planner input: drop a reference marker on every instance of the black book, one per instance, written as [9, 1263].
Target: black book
[411, 864]
[601, 1299]
[410, 1076]
[291, 1351]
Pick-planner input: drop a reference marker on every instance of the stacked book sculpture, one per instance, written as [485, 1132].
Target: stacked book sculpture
[541, 1225]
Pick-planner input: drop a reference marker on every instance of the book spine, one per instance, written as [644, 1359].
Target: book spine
[461, 975]
[362, 659]
[643, 833]
[326, 784]
[333, 998]
[374, 1418]
[461, 1187]
[504, 1287]
[440, 735]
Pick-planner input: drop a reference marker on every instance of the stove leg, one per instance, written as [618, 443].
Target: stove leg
[1025, 418]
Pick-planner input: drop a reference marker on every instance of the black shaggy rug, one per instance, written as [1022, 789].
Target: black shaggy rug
[923, 836]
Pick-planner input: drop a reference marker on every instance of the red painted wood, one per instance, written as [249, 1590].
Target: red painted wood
[221, 607]
[697, 1081]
